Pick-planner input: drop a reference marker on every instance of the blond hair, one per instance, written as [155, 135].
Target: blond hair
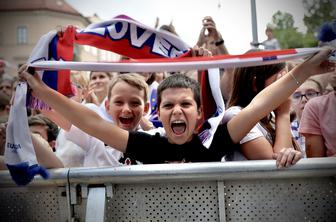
[80, 79]
[132, 79]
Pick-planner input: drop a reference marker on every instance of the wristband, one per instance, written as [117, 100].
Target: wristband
[220, 42]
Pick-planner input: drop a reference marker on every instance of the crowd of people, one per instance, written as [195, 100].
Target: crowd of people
[281, 111]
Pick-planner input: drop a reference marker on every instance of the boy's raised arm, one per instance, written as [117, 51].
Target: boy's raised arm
[81, 116]
[62, 122]
[275, 94]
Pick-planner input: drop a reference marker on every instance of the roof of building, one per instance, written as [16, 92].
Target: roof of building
[31, 5]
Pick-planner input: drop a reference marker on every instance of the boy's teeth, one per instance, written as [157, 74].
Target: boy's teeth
[178, 127]
[178, 121]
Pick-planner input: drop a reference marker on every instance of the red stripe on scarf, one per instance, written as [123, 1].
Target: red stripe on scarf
[65, 52]
[121, 46]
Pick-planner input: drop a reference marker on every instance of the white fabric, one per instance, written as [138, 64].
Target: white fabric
[96, 154]
[202, 63]
[151, 87]
[68, 152]
[207, 135]
[100, 110]
[19, 146]
[256, 132]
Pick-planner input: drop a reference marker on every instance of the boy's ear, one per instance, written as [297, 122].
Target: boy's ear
[107, 105]
[200, 113]
[52, 144]
[146, 108]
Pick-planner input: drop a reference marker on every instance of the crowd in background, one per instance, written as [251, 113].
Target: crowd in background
[303, 125]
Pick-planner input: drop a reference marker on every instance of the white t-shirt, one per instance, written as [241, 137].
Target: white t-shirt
[96, 154]
[257, 131]
[88, 151]
[72, 155]
[69, 153]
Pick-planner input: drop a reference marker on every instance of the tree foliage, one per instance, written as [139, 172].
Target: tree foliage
[284, 30]
[316, 13]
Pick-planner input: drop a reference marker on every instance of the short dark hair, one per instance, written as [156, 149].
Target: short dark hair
[179, 81]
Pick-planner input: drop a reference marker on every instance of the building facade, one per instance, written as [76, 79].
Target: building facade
[23, 22]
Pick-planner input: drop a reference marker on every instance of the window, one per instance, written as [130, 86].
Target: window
[22, 35]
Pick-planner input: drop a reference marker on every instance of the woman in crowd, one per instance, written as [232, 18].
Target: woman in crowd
[268, 137]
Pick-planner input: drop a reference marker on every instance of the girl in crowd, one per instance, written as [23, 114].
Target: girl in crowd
[309, 89]
[264, 140]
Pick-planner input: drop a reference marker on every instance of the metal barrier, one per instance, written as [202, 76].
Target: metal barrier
[42, 200]
[230, 191]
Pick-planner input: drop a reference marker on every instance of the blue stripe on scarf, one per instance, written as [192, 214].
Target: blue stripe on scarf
[50, 77]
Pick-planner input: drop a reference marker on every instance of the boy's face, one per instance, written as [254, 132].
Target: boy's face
[179, 114]
[126, 106]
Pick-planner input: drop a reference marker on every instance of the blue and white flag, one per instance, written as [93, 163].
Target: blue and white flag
[19, 153]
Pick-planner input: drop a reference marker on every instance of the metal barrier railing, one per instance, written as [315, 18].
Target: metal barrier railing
[229, 191]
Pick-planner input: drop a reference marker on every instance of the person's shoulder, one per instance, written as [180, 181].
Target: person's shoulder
[230, 113]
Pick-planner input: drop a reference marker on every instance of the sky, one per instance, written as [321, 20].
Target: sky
[232, 17]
